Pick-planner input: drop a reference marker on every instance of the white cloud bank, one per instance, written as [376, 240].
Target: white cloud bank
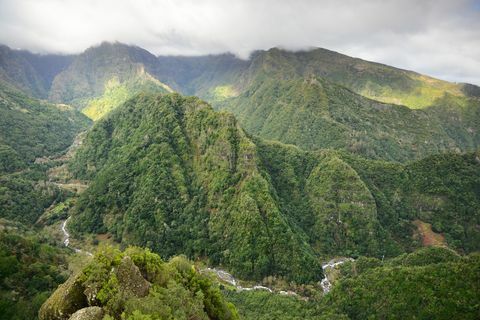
[435, 37]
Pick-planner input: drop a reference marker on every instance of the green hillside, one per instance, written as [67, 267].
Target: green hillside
[16, 70]
[171, 174]
[103, 77]
[432, 283]
[314, 113]
[31, 129]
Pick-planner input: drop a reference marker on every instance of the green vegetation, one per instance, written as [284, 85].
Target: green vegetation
[116, 93]
[31, 129]
[314, 113]
[171, 174]
[429, 284]
[137, 284]
[103, 77]
[36, 129]
[30, 269]
[262, 305]
[376, 181]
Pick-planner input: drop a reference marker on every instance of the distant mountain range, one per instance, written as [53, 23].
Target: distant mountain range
[313, 99]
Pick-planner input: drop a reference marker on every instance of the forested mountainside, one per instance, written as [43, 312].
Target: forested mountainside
[420, 285]
[103, 77]
[171, 174]
[31, 73]
[31, 129]
[314, 99]
[315, 113]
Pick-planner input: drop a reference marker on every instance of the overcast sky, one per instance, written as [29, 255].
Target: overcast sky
[436, 37]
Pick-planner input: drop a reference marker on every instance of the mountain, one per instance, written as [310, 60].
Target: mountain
[303, 99]
[104, 76]
[17, 71]
[31, 73]
[31, 129]
[169, 173]
[314, 99]
[315, 113]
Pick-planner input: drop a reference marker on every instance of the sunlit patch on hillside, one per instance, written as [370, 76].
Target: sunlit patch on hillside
[428, 236]
[221, 93]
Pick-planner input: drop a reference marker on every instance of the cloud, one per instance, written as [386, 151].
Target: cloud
[435, 37]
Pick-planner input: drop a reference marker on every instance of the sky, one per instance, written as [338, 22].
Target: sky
[440, 38]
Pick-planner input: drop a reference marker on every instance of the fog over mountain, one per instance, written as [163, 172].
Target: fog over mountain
[439, 38]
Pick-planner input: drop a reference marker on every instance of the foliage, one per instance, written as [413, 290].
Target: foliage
[102, 77]
[429, 288]
[30, 269]
[36, 129]
[314, 113]
[171, 174]
[117, 282]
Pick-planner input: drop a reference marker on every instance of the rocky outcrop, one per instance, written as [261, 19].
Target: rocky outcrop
[67, 299]
[130, 278]
[90, 313]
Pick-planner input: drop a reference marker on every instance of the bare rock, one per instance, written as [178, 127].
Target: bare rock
[67, 299]
[90, 313]
[130, 278]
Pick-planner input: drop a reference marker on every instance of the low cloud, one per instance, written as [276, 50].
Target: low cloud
[436, 37]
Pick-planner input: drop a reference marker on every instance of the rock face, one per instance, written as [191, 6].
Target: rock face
[67, 299]
[130, 278]
[90, 313]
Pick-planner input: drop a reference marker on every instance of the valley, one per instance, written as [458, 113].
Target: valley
[289, 185]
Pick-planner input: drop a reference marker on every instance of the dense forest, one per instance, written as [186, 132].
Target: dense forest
[315, 203]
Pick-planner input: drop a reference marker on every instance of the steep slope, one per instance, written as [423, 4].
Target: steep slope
[34, 128]
[104, 76]
[428, 284]
[16, 70]
[171, 174]
[47, 66]
[320, 99]
[31, 129]
[373, 80]
[314, 113]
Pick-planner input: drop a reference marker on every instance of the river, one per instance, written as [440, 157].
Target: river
[66, 239]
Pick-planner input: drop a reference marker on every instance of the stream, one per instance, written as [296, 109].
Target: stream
[325, 283]
[230, 279]
[66, 239]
